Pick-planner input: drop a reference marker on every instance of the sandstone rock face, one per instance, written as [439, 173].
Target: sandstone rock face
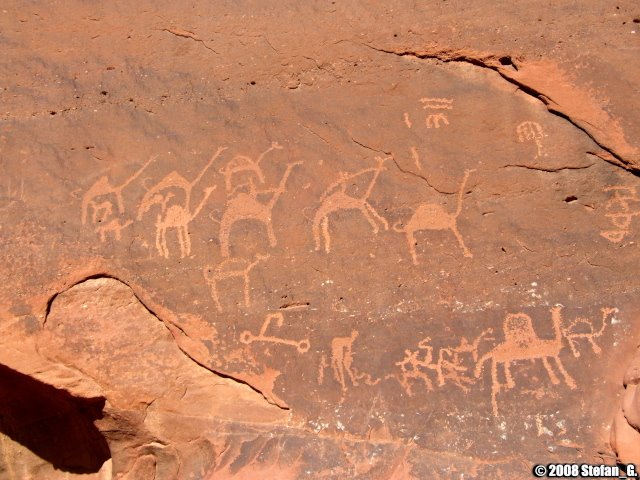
[317, 241]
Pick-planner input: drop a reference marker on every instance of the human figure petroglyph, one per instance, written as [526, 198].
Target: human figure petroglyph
[620, 212]
[342, 359]
[246, 337]
[430, 216]
[522, 343]
[99, 201]
[336, 198]
[532, 131]
[582, 329]
[412, 366]
[246, 206]
[176, 216]
[231, 268]
[451, 364]
[243, 163]
[434, 120]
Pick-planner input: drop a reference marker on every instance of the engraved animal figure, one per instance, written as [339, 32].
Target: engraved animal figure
[582, 328]
[619, 212]
[229, 269]
[412, 367]
[246, 206]
[528, 131]
[522, 343]
[336, 198]
[451, 364]
[176, 216]
[242, 163]
[342, 359]
[434, 217]
[98, 200]
[248, 338]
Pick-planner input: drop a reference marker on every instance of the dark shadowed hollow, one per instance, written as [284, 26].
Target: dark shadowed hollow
[52, 423]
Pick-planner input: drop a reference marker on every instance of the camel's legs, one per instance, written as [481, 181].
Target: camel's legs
[247, 300]
[214, 294]
[508, 376]
[325, 232]
[411, 240]
[495, 386]
[370, 219]
[186, 241]
[316, 232]
[567, 378]
[381, 219]
[466, 251]
[552, 376]
[271, 234]
[594, 346]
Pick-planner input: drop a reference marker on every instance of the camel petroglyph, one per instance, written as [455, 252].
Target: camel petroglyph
[243, 163]
[176, 216]
[246, 206]
[336, 198]
[231, 268]
[582, 329]
[430, 216]
[522, 343]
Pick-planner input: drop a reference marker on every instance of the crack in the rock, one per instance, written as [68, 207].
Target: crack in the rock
[547, 169]
[187, 34]
[492, 62]
[166, 324]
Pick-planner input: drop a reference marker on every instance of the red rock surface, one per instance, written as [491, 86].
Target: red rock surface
[319, 240]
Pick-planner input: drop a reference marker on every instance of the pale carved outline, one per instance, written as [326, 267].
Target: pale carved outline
[247, 337]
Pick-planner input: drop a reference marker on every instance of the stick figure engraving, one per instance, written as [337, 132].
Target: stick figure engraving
[243, 163]
[582, 328]
[336, 198]
[532, 131]
[430, 216]
[522, 343]
[176, 216]
[435, 119]
[99, 200]
[619, 212]
[342, 359]
[248, 338]
[229, 269]
[451, 362]
[412, 367]
[246, 206]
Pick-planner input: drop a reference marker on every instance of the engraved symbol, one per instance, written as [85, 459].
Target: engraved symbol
[416, 157]
[242, 163]
[522, 343]
[619, 212]
[229, 269]
[532, 131]
[582, 328]
[451, 362]
[407, 120]
[342, 363]
[246, 206]
[412, 367]
[99, 200]
[176, 216]
[248, 338]
[434, 120]
[336, 198]
[434, 217]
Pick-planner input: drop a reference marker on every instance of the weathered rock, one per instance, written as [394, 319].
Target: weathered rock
[320, 241]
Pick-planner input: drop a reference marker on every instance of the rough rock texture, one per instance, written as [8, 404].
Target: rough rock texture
[318, 240]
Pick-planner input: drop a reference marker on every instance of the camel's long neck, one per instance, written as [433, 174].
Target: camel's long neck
[461, 192]
[372, 183]
[556, 317]
[206, 167]
[200, 205]
[280, 190]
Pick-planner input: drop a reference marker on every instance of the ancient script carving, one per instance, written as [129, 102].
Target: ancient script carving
[434, 120]
[620, 212]
[532, 131]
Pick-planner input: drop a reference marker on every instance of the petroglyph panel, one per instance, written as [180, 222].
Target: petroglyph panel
[435, 253]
